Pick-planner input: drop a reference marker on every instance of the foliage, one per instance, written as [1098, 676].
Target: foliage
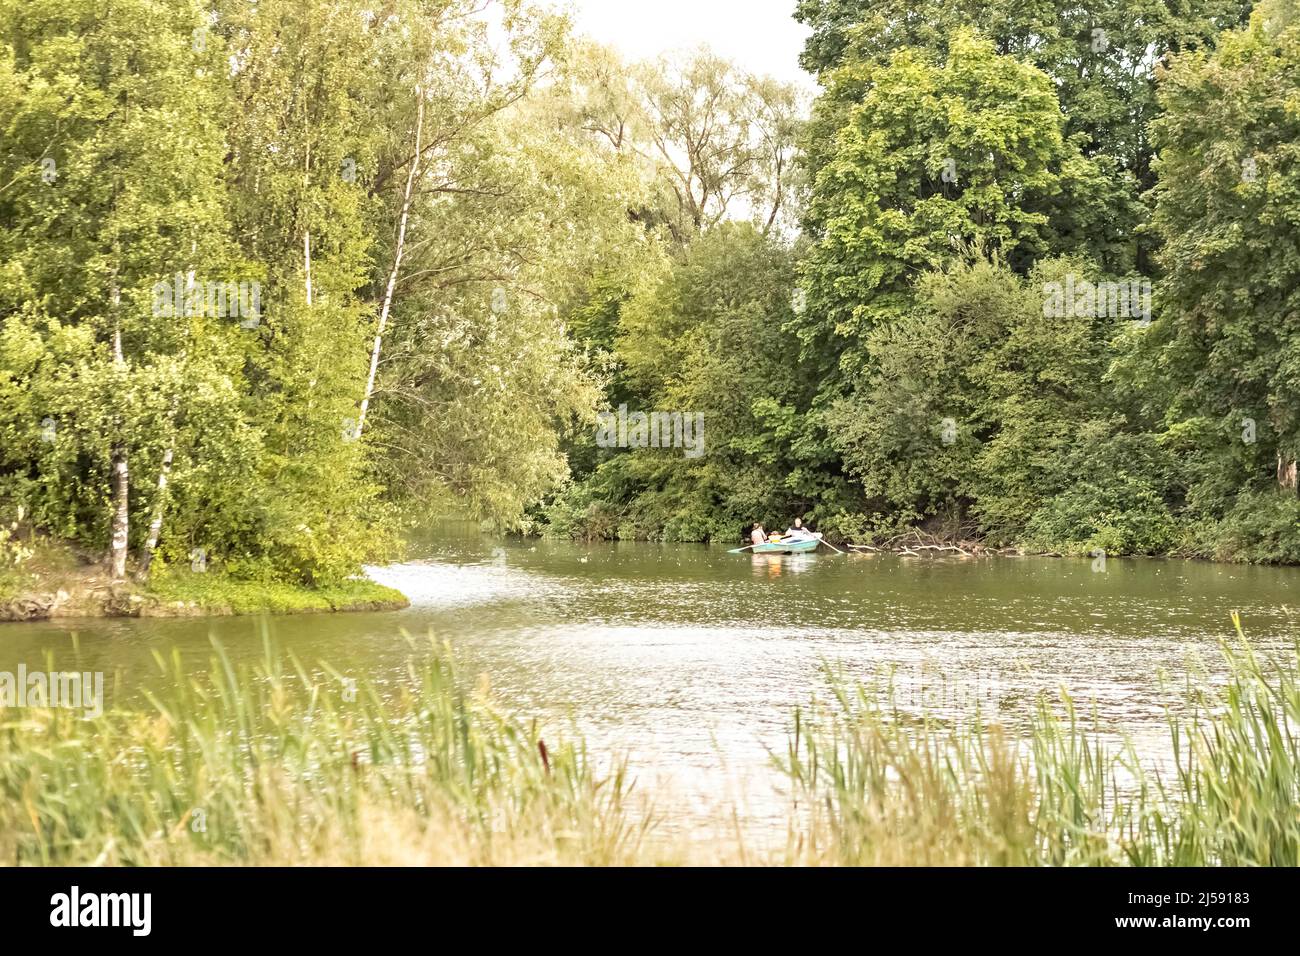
[269, 145]
[1261, 527]
[474, 232]
[708, 339]
[958, 168]
[1101, 60]
[709, 140]
[1228, 337]
[933, 156]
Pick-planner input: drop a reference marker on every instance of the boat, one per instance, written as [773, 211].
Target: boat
[801, 546]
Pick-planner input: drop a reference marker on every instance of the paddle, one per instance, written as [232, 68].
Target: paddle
[742, 550]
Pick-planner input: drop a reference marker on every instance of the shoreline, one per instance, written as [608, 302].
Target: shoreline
[60, 597]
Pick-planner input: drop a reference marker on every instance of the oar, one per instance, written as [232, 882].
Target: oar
[742, 550]
[831, 546]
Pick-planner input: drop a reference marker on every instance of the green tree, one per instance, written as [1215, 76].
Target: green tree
[1101, 57]
[711, 141]
[933, 157]
[1226, 345]
[111, 160]
[708, 338]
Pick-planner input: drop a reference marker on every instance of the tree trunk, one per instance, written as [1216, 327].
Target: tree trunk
[1287, 473]
[121, 513]
[307, 226]
[120, 477]
[387, 304]
[156, 519]
[306, 258]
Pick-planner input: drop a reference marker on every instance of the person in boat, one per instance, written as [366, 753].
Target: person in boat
[758, 536]
[797, 532]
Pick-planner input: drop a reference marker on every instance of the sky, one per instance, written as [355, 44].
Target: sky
[759, 35]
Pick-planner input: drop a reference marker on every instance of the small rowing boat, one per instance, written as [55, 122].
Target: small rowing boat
[800, 546]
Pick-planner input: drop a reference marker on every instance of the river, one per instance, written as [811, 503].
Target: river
[691, 660]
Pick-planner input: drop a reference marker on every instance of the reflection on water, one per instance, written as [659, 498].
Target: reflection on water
[775, 565]
[692, 659]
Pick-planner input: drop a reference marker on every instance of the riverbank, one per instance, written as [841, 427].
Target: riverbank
[1267, 533]
[56, 584]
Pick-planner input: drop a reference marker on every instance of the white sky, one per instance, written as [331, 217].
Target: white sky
[759, 35]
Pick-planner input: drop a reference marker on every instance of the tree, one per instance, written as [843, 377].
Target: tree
[1102, 60]
[987, 415]
[1227, 341]
[480, 379]
[712, 141]
[111, 157]
[934, 157]
[705, 337]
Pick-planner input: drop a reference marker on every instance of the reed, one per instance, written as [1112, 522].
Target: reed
[273, 764]
[277, 763]
[875, 785]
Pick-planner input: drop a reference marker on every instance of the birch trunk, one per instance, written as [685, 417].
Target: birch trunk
[306, 232]
[386, 307]
[306, 258]
[120, 475]
[121, 513]
[159, 509]
[156, 518]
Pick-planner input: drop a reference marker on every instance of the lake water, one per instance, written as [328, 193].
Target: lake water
[691, 660]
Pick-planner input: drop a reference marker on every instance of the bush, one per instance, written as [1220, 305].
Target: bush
[1263, 527]
[1111, 495]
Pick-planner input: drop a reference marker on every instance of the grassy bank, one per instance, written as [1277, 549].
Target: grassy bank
[55, 582]
[182, 592]
[272, 765]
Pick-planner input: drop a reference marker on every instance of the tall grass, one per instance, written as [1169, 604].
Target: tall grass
[276, 764]
[877, 786]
